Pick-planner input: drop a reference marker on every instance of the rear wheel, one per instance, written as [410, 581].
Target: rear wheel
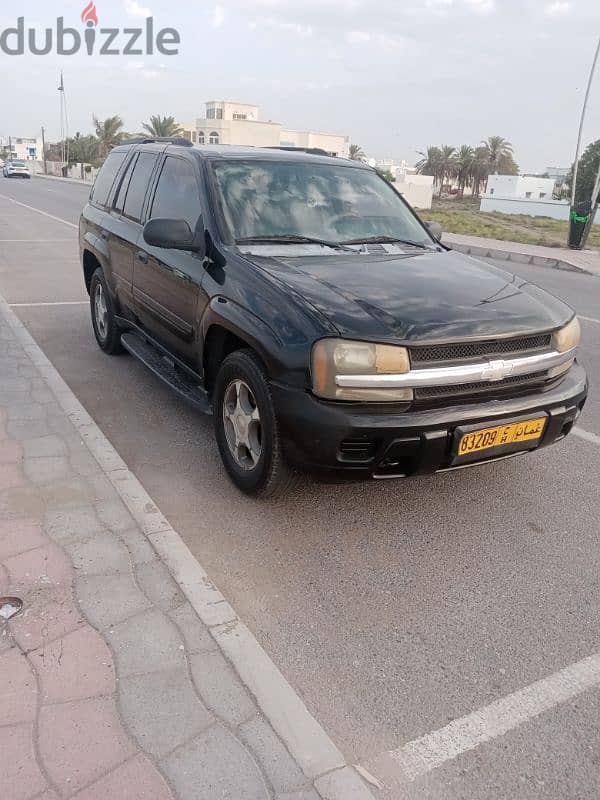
[105, 327]
[246, 427]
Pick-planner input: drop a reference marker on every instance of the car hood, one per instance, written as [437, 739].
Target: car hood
[427, 297]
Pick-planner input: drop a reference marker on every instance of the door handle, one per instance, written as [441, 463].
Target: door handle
[143, 257]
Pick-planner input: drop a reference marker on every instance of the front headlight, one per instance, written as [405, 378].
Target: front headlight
[332, 358]
[567, 338]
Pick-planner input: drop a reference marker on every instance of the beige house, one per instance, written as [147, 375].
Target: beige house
[239, 124]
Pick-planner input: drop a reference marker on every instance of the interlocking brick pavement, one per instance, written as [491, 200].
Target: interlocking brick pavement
[111, 686]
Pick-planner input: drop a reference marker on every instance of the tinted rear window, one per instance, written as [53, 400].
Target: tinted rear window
[106, 177]
[138, 184]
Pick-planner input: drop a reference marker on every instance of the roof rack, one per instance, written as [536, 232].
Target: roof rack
[313, 151]
[179, 140]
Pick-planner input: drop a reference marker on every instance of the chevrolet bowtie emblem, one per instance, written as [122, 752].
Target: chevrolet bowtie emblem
[496, 371]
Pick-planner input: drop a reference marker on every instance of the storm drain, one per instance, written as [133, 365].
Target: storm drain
[9, 606]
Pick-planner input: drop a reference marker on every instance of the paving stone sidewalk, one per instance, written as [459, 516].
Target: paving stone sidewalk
[587, 261]
[110, 684]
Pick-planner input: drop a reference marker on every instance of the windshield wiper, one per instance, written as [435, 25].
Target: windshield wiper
[386, 240]
[292, 238]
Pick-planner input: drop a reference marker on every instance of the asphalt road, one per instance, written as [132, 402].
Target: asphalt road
[391, 607]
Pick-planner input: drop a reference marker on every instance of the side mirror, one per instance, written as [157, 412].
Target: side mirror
[175, 234]
[435, 229]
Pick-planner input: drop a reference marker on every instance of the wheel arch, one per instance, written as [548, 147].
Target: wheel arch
[91, 263]
[227, 327]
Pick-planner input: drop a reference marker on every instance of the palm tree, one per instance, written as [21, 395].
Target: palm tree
[480, 169]
[430, 164]
[447, 164]
[109, 133]
[356, 153]
[497, 149]
[464, 166]
[162, 126]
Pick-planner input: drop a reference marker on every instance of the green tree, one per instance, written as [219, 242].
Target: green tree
[386, 175]
[438, 162]
[356, 153]
[465, 156]
[162, 126]
[83, 149]
[431, 163]
[499, 153]
[109, 133]
[447, 164]
[480, 169]
[586, 174]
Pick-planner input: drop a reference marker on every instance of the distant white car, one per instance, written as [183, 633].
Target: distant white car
[16, 169]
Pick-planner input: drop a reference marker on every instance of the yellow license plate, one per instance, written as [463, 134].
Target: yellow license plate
[513, 433]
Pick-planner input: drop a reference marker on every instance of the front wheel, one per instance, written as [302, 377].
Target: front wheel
[105, 327]
[246, 427]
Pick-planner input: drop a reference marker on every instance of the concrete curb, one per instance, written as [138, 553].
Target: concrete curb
[517, 258]
[77, 181]
[304, 737]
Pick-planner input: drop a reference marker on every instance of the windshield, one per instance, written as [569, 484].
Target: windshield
[18, 163]
[323, 202]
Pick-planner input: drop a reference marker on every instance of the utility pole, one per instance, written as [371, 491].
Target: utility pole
[583, 110]
[44, 150]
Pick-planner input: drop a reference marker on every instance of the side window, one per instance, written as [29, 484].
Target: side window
[121, 192]
[106, 178]
[177, 195]
[136, 191]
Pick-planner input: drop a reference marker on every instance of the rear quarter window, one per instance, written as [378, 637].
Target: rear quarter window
[106, 178]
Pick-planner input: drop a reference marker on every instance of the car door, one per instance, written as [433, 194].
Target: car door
[120, 238]
[167, 282]
[128, 211]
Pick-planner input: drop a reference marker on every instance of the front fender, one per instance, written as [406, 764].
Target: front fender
[284, 363]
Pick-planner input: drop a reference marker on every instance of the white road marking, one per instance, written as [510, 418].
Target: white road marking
[589, 319]
[589, 437]
[58, 303]
[431, 751]
[43, 213]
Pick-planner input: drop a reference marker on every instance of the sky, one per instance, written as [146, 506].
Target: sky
[394, 75]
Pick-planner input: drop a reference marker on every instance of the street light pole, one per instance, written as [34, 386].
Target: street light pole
[44, 150]
[583, 110]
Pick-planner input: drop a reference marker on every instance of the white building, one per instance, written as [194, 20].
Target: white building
[23, 149]
[416, 189]
[239, 124]
[520, 186]
[518, 194]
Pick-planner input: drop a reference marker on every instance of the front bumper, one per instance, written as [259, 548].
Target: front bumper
[337, 437]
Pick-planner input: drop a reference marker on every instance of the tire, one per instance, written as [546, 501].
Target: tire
[106, 330]
[242, 391]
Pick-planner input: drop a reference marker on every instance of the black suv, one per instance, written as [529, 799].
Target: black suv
[301, 300]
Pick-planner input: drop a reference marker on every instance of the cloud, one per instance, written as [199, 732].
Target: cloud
[558, 9]
[218, 17]
[134, 9]
[482, 6]
[140, 68]
[356, 37]
[272, 23]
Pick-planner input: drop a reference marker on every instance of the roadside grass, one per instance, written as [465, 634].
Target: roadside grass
[463, 216]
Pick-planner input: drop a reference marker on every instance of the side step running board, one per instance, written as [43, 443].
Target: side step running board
[166, 371]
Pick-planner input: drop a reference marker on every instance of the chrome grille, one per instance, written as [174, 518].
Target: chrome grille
[489, 389]
[469, 350]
